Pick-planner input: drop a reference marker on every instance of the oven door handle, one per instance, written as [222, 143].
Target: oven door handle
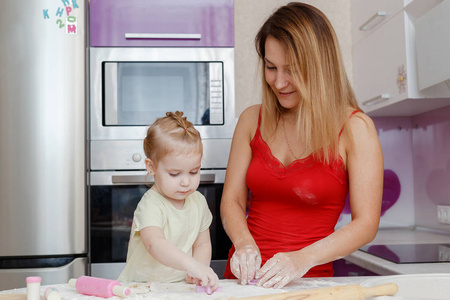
[147, 179]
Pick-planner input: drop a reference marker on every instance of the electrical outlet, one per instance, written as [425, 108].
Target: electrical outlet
[444, 253]
[443, 212]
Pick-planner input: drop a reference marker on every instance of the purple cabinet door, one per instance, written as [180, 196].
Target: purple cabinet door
[162, 23]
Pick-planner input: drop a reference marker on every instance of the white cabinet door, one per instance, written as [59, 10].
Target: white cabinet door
[433, 46]
[372, 14]
[379, 65]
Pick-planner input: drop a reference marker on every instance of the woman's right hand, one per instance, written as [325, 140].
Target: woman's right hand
[245, 262]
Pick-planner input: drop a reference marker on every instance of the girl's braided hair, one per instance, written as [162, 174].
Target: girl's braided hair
[171, 134]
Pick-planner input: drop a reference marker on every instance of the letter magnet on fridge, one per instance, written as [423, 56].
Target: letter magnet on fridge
[71, 27]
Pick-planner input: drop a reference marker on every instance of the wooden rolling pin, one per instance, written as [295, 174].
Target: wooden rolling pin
[343, 292]
[13, 297]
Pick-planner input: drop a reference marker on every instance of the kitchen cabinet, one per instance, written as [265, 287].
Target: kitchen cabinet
[367, 15]
[433, 45]
[161, 23]
[384, 60]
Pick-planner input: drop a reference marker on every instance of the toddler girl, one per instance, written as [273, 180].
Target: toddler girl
[169, 238]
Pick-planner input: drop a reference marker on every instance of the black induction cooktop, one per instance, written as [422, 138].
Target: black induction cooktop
[411, 253]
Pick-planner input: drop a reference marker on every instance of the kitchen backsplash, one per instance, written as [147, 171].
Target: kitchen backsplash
[417, 169]
[431, 158]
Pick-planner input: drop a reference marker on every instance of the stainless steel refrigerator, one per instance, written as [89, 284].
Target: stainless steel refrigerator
[43, 206]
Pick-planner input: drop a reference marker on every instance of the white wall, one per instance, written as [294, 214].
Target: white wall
[250, 15]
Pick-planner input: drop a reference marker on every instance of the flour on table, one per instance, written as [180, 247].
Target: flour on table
[168, 291]
[175, 291]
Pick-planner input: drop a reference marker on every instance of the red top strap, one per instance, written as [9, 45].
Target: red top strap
[351, 115]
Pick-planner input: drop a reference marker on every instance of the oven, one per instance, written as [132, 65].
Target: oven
[114, 196]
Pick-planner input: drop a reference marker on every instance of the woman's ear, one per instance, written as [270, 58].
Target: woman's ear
[150, 166]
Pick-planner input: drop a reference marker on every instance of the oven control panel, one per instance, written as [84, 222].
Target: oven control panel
[129, 155]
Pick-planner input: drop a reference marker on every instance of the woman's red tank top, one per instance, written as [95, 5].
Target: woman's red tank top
[291, 207]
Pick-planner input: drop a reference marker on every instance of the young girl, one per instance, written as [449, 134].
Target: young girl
[169, 238]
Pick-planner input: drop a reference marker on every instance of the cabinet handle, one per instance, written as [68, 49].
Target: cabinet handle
[171, 36]
[144, 179]
[377, 99]
[365, 26]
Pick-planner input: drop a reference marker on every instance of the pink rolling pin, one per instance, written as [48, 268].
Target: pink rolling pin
[99, 287]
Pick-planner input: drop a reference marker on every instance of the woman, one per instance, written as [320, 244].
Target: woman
[295, 157]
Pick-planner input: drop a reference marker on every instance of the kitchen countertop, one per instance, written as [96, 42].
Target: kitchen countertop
[172, 291]
[417, 287]
[399, 236]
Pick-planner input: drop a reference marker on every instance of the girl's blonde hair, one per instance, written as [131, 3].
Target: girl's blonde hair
[316, 66]
[171, 134]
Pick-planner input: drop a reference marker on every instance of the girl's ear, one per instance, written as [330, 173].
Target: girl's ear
[150, 166]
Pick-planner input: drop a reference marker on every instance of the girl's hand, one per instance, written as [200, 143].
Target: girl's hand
[192, 280]
[201, 274]
[245, 262]
[281, 269]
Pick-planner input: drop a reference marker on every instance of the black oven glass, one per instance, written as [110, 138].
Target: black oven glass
[144, 91]
[111, 216]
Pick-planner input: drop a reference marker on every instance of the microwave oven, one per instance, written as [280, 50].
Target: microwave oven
[131, 87]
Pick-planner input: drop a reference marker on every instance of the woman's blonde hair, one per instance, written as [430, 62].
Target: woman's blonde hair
[316, 66]
[171, 134]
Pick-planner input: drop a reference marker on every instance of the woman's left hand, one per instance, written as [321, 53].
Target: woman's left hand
[281, 269]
